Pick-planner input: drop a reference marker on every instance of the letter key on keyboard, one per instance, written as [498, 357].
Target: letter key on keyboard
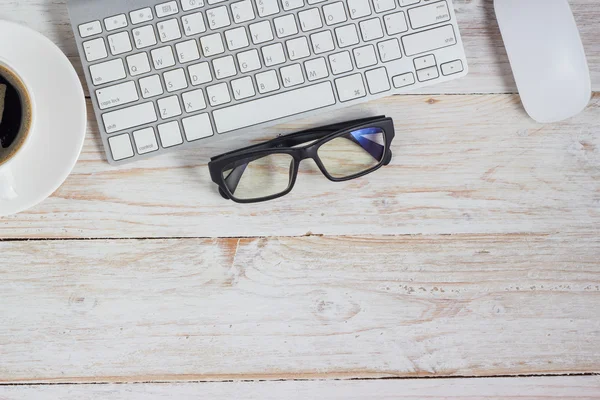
[169, 74]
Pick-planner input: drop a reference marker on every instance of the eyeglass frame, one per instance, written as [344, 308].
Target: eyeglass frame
[315, 137]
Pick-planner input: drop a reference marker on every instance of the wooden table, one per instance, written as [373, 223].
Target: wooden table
[476, 253]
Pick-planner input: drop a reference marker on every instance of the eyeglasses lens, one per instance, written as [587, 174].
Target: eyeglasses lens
[353, 153]
[258, 178]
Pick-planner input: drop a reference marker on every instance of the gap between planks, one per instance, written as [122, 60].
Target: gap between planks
[242, 380]
[567, 387]
[307, 235]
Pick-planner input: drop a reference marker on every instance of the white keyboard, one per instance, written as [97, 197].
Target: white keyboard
[168, 75]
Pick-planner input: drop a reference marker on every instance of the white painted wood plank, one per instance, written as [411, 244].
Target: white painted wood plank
[490, 70]
[288, 308]
[462, 164]
[531, 388]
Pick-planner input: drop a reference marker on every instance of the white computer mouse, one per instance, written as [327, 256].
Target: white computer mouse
[546, 56]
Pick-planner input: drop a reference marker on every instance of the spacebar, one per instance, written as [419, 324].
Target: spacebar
[274, 107]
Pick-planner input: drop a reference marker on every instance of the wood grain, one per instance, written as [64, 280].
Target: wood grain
[479, 166]
[289, 308]
[489, 66]
[563, 388]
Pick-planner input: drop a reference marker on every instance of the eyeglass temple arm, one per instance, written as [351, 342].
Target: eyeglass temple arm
[298, 138]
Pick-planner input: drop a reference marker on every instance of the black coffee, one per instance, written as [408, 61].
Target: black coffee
[16, 116]
[11, 111]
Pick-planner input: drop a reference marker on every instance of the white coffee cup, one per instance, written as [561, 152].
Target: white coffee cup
[10, 158]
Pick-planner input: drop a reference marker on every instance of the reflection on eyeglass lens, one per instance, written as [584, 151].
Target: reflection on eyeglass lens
[258, 178]
[353, 153]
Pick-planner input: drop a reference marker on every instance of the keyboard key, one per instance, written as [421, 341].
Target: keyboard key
[322, 42]
[200, 73]
[340, 63]
[140, 16]
[236, 38]
[90, 29]
[297, 48]
[384, 5]
[144, 37]
[452, 67]
[130, 117]
[292, 75]
[218, 94]
[218, 18]
[267, 7]
[261, 32]
[378, 80]
[224, 67]
[273, 54]
[170, 134]
[430, 14]
[405, 3]
[145, 141]
[163, 57]
[242, 11]
[169, 107]
[429, 40]
[119, 43]
[424, 62]
[403, 80]
[118, 95]
[151, 86]
[274, 107]
[107, 72]
[285, 26]
[365, 56]
[120, 147]
[292, 4]
[212, 45]
[95, 50]
[175, 80]
[427, 74]
[249, 61]
[335, 13]
[347, 36]
[166, 9]
[187, 51]
[242, 88]
[310, 19]
[359, 8]
[193, 101]
[371, 29]
[116, 22]
[197, 127]
[138, 64]
[168, 30]
[389, 50]
[267, 82]
[188, 5]
[395, 23]
[316, 69]
[350, 87]
[193, 24]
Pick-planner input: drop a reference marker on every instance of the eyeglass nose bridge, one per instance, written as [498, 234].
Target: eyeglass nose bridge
[306, 153]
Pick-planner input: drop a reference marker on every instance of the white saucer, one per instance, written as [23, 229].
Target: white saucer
[60, 116]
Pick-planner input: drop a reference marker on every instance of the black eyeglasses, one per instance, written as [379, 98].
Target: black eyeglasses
[268, 170]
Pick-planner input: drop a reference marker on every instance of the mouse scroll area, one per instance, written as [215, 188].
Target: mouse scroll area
[546, 56]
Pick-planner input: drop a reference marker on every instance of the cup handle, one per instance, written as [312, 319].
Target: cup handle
[7, 182]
